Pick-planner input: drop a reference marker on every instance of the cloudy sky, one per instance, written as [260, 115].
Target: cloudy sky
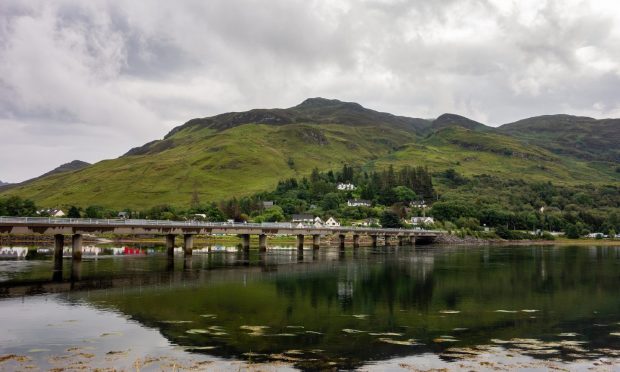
[90, 79]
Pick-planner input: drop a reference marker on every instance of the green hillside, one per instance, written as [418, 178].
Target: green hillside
[238, 154]
[577, 136]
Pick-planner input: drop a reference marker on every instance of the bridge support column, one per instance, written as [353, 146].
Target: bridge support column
[59, 244]
[76, 243]
[356, 241]
[188, 244]
[386, 240]
[402, 240]
[374, 240]
[412, 240]
[300, 241]
[262, 242]
[170, 244]
[342, 239]
[316, 241]
[245, 243]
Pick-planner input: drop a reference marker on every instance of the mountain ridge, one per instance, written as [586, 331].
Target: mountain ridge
[236, 154]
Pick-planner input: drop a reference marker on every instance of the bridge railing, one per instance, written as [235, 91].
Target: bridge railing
[189, 223]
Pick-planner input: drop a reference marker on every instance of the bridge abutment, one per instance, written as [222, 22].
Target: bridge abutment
[356, 241]
[374, 240]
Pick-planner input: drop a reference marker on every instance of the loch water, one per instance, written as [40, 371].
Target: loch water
[383, 308]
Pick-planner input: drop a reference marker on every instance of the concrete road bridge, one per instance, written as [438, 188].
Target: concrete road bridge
[77, 227]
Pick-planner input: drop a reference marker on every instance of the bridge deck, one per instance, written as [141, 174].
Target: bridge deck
[43, 225]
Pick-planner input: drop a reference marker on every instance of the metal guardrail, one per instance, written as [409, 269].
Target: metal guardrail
[190, 223]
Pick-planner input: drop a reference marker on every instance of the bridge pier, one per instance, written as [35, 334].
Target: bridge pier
[300, 241]
[76, 247]
[356, 241]
[386, 240]
[245, 243]
[316, 241]
[262, 242]
[188, 244]
[170, 244]
[402, 240]
[59, 244]
[374, 240]
[341, 237]
[412, 240]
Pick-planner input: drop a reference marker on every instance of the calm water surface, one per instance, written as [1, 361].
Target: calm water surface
[383, 308]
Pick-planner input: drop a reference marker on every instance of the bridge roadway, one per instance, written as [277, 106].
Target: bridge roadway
[77, 227]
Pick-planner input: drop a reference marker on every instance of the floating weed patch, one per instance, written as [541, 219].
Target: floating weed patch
[17, 358]
[314, 332]
[449, 311]
[459, 329]
[349, 330]
[530, 311]
[617, 334]
[282, 335]
[197, 348]
[197, 331]
[254, 330]
[208, 316]
[117, 352]
[386, 334]
[176, 321]
[506, 311]
[38, 350]
[294, 352]
[568, 334]
[409, 342]
[445, 338]
[295, 327]
[360, 316]
[109, 334]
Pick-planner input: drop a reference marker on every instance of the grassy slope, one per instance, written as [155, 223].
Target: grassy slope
[238, 161]
[472, 153]
[253, 157]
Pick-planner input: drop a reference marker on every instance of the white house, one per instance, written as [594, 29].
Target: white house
[52, 212]
[345, 186]
[418, 204]
[358, 203]
[332, 222]
[267, 204]
[318, 220]
[307, 219]
[422, 221]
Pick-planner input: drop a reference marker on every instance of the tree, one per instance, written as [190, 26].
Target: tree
[74, 212]
[612, 234]
[404, 194]
[390, 219]
[571, 231]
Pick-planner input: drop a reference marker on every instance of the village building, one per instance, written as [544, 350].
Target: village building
[417, 221]
[306, 219]
[331, 222]
[345, 186]
[358, 203]
[267, 204]
[52, 212]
